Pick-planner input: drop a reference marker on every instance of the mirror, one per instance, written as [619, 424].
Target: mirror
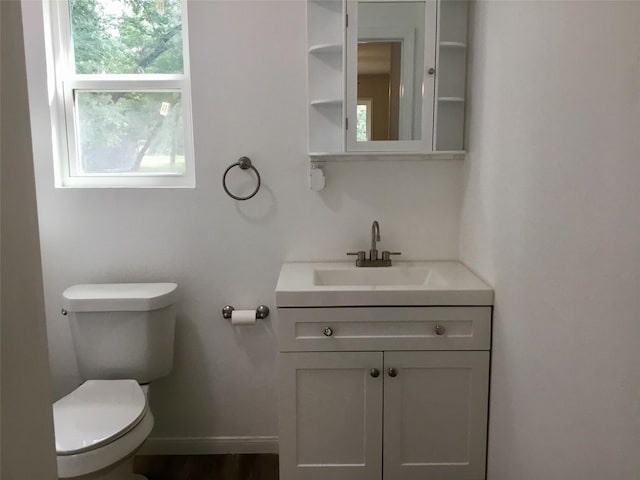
[389, 97]
[378, 91]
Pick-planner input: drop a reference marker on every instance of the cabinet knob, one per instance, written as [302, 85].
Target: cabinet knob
[374, 372]
[393, 372]
[328, 331]
[440, 329]
[431, 71]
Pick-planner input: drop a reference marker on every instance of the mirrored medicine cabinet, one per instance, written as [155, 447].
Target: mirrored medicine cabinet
[386, 77]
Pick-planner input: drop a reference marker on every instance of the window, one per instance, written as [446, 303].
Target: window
[363, 118]
[122, 106]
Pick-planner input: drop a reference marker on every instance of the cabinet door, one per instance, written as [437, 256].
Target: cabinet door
[330, 416]
[435, 415]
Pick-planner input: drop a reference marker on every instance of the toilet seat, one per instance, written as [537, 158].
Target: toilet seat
[97, 413]
[108, 455]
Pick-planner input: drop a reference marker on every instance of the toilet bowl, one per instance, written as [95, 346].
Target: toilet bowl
[123, 338]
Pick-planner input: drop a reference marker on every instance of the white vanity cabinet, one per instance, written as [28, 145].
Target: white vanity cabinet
[372, 393]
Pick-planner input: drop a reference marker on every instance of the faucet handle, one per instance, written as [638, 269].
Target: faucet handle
[386, 254]
[361, 254]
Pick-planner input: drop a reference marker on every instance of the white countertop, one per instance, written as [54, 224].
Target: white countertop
[341, 284]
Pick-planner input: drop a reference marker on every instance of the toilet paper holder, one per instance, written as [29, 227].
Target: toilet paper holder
[261, 312]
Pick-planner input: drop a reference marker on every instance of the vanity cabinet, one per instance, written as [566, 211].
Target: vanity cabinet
[373, 393]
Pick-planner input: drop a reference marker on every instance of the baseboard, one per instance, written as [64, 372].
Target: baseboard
[208, 445]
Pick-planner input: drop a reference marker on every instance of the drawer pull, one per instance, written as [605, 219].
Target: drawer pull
[374, 372]
[328, 331]
[440, 329]
[393, 372]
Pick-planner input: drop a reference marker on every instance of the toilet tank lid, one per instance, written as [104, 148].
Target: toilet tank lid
[119, 297]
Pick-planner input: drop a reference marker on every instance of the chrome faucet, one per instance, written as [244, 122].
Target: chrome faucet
[373, 260]
[375, 235]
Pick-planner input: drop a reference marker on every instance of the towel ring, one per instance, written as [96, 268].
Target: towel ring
[245, 164]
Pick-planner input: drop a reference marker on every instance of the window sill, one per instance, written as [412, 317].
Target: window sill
[129, 181]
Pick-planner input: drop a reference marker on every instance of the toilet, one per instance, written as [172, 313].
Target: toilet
[123, 335]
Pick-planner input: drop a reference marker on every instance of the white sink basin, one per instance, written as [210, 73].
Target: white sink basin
[371, 276]
[317, 284]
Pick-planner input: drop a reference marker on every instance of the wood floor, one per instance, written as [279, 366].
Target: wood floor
[207, 467]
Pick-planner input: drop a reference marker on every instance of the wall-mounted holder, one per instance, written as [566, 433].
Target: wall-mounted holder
[316, 178]
[262, 311]
[245, 164]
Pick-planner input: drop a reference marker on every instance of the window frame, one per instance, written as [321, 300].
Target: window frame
[64, 82]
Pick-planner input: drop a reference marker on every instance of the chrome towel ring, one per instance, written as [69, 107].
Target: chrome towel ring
[245, 164]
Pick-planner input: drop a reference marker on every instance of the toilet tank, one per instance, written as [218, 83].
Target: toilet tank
[122, 330]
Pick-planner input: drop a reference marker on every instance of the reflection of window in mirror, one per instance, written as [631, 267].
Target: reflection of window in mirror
[363, 117]
[379, 79]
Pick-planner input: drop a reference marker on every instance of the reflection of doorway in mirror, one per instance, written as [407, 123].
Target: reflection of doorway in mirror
[379, 79]
[363, 117]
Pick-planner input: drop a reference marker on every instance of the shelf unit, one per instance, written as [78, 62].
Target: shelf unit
[325, 40]
[451, 77]
[326, 60]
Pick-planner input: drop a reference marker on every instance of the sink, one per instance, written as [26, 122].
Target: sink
[371, 276]
[323, 284]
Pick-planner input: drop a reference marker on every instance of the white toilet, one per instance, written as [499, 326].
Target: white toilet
[123, 335]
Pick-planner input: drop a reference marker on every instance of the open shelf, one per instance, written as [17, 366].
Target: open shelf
[453, 44]
[325, 73]
[326, 48]
[326, 101]
[451, 99]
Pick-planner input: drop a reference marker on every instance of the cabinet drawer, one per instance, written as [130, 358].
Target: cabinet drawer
[384, 328]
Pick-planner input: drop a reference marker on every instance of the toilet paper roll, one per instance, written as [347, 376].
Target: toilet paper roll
[243, 317]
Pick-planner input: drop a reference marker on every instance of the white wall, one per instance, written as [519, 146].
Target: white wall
[249, 94]
[551, 218]
[27, 446]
